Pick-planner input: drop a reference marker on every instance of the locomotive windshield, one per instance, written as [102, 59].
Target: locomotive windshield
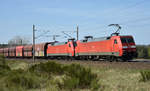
[127, 40]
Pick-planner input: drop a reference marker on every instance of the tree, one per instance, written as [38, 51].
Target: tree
[149, 51]
[18, 40]
[142, 51]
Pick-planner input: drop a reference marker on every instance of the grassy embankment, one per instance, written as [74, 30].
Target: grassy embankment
[52, 76]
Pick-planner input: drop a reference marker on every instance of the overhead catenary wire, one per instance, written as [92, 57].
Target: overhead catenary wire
[134, 5]
[105, 26]
[42, 34]
[136, 20]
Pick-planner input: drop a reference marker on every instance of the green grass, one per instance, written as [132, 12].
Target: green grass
[121, 80]
[19, 75]
[61, 77]
[145, 75]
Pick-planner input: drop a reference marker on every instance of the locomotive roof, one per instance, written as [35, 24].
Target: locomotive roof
[100, 38]
[58, 43]
[96, 39]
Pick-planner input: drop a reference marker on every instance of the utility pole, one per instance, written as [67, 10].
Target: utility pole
[33, 43]
[77, 33]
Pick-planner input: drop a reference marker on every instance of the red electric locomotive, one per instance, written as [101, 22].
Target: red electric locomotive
[61, 49]
[111, 48]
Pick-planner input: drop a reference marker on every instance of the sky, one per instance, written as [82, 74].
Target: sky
[51, 17]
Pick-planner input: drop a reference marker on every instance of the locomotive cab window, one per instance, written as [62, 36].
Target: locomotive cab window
[115, 41]
[127, 40]
[130, 40]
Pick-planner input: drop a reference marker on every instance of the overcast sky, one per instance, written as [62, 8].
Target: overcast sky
[92, 16]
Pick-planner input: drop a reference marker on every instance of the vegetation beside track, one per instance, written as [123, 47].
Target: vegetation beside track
[72, 76]
[20, 76]
[143, 51]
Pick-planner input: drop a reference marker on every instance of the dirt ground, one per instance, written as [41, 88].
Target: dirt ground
[140, 65]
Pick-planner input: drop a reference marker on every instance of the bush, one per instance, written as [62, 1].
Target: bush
[2, 60]
[76, 75]
[148, 51]
[20, 78]
[71, 82]
[4, 68]
[48, 68]
[83, 76]
[95, 85]
[142, 51]
[145, 75]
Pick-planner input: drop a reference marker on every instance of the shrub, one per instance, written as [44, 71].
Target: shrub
[4, 69]
[94, 85]
[84, 76]
[142, 51]
[2, 60]
[71, 82]
[20, 78]
[145, 75]
[148, 51]
[48, 68]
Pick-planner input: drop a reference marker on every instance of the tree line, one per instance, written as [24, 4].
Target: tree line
[143, 51]
[16, 41]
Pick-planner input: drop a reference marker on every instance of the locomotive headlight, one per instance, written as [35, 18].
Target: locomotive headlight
[125, 47]
[133, 46]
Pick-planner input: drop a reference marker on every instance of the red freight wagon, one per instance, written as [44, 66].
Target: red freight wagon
[6, 52]
[41, 50]
[19, 51]
[2, 51]
[28, 51]
[12, 52]
[60, 49]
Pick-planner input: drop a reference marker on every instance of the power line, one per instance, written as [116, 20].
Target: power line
[53, 36]
[136, 4]
[136, 20]
[131, 6]
[45, 32]
[66, 34]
